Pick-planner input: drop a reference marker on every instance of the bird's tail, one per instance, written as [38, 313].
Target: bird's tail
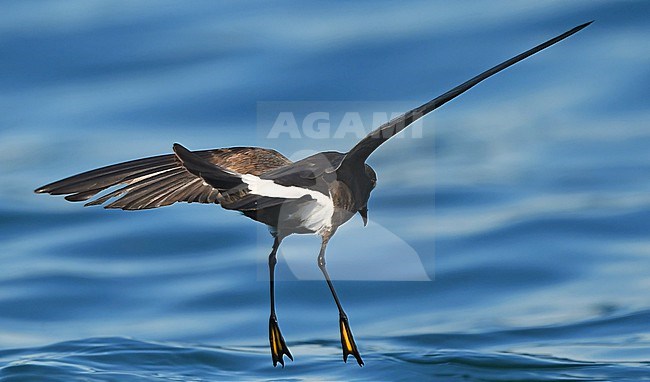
[216, 176]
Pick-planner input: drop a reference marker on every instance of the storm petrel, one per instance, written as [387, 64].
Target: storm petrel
[314, 195]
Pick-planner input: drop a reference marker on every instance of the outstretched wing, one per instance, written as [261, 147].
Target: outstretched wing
[161, 180]
[250, 192]
[370, 143]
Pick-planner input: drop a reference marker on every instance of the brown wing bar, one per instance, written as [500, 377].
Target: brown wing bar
[161, 180]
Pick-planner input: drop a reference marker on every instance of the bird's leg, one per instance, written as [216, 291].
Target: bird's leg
[278, 347]
[347, 340]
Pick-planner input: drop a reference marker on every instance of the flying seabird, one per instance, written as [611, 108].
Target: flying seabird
[314, 195]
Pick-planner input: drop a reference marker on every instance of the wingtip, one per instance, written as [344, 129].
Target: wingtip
[586, 24]
[582, 26]
[575, 30]
[47, 189]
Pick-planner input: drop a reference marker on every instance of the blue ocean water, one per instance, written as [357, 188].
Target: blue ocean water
[507, 242]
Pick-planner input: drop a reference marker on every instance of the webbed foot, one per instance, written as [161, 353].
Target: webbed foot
[278, 348]
[347, 341]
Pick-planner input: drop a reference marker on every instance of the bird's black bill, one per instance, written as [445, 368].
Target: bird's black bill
[367, 145]
[364, 215]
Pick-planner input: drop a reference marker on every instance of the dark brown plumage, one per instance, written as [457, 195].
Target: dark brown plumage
[161, 180]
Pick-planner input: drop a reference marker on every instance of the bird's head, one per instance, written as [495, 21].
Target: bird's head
[367, 185]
